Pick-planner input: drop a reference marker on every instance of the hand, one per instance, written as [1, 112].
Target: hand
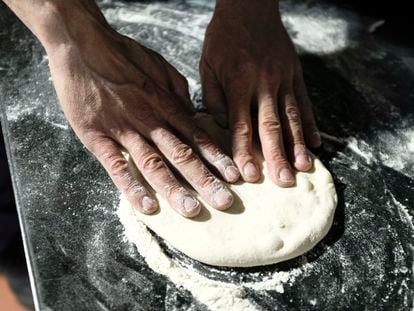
[119, 95]
[248, 63]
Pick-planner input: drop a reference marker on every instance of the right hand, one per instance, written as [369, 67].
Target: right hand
[119, 95]
[249, 64]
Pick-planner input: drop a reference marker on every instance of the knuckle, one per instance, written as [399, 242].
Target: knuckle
[241, 129]
[292, 111]
[135, 188]
[297, 138]
[241, 156]
[160, 134]
[206, 181]
[151, 162]
[172, 190]
[271, 125]
[182, 153]
[117, 166]
[217, 156]
[277, 155]
[293, 114]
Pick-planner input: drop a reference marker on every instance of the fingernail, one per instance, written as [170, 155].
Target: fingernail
[302, 159]
[231, 173]
[149, 205]
[250, 170]
[285, 175]
[190, 204]
[223, 198]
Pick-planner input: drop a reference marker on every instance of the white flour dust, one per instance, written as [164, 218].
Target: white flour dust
[391, 148]
[317, 30]
[397, 149]
[216, 295]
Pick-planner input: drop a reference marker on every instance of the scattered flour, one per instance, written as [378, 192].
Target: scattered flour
[216, 295]
[155, 14]
[317, 30]
[398, 149]
[394, 149]
[403, 210]
[361, 148]
[357, 146]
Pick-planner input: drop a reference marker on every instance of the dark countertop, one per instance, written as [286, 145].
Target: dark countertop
[364, 101]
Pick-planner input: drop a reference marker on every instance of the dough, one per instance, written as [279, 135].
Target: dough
[265, 225]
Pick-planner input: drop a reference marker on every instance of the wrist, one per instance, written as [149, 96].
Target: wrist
[234, 15]
[68, 23]
[247, 5]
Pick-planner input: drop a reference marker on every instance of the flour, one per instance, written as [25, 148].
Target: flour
[317, 30]
[403, 210]
[184, 28]
[314, 29]
[361, 148]
[357, 146]
[216, 295]
[394, 149]
[397, 149]
[155, 14]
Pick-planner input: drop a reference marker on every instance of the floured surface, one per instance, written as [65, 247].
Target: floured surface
[266, 224]
[217, 295]
[363, 100]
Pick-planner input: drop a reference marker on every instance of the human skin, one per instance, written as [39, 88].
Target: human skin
[119, 95]
[249, 64]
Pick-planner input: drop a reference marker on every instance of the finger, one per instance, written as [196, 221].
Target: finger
[159, 176]
[109, 155]
[242, 132]
[293, 131]
[310, 129]
[205, 146]
[213, 96]
[193, 170]
[271, 137]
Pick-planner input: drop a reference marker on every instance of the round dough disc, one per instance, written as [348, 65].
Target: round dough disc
[266, 224]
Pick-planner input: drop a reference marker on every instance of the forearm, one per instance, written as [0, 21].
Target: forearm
[246, 13]
[57, 22]
[247, 5]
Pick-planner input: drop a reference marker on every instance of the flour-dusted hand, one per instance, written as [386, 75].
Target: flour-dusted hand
[119, 95]
[249, 64]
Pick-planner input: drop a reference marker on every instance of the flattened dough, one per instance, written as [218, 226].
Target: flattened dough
[265, 225]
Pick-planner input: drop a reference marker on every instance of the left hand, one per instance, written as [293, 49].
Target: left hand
[249, 60]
